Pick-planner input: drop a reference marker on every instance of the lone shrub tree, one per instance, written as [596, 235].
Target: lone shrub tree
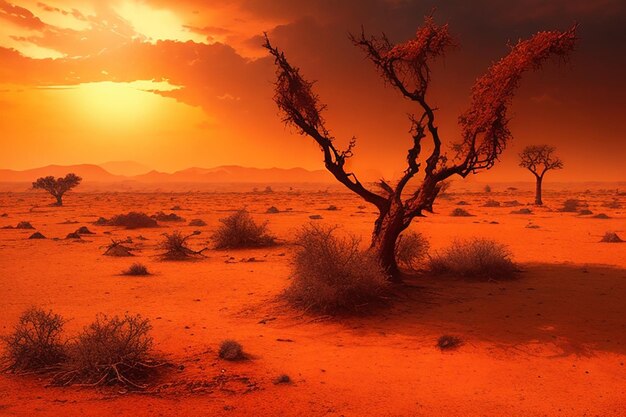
[406, 67]
[57, 187]
[539, 159]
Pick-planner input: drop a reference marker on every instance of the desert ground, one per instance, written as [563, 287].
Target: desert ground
[550, 343]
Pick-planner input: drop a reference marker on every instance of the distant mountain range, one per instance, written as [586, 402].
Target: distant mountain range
[223, 174]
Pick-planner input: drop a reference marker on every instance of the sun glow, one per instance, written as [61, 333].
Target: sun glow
[156, 24]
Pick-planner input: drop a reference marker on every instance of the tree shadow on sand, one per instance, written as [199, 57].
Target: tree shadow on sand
[550, 311]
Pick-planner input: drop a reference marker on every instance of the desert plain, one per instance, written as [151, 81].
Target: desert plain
[551, 342]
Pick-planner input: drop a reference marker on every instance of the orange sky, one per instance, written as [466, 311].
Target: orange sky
[174, 84]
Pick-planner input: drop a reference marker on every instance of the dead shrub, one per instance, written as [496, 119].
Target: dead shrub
[24, 225]
[411, 250]
[491, 203]
[83, 230]
[459, 212]
[37, 235]
[136, 269]
[132, 220]
[571, 205]
[197, 223]
[448, 342]
[272, 210]
[36, 343]
[117, 248]
[611, 237]
[176, 246]
[601, 216]
[239, 230]
[231, 350]
[111, 351]
[332, 275]
[172, 217]
[585, 212]
[615, 204]
[475, 258]
[522, 211]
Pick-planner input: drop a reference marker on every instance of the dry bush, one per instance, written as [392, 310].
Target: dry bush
[272, 210]
[282, 379]
[459, 212]
[239, 230]
[231, 350]
[448, 342]
[116, 248]
[132, 220]
[197, 223]
[571, 205]
[136, 269]
[83, 230]
[615, 204]
[491, 203]
[522, 211]
[601, 216]
[611, 237]
[24, 225]
[475, 258]
[172, 217]
[111, 351]
[36, 343]
[175, 246]
[37, 235]
[331, 275]
[585, 212]
[411, 250]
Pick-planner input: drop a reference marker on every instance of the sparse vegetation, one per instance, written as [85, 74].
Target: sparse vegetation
[111, 351]
[282, 379]
[448, 342]
[491, 203]
[37, 235]
[272, 210]
[136, 269]
[231, 350]
[36, 343]
[239, 230]
[176, 246]
[475, 258]
[197, 223]
[117, 248]
[172, 217]
[522, 211]
[611, 237]
[332, 275]
[83, 230]
[24, 225]
[132, 220]
[571, 205]
[411, 250]
[459, 212]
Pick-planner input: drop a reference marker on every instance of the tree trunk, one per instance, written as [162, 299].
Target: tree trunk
[388, 227]
[59, 200]
[538, 201]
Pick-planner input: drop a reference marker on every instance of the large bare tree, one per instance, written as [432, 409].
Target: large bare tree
[539, 159]
[406, 67]
[57, 187]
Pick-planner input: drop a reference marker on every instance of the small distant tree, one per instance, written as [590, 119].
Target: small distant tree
[539, 159]
[407, 68]
[57, 187]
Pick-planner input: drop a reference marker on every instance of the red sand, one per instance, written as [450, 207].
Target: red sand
[552, 343]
